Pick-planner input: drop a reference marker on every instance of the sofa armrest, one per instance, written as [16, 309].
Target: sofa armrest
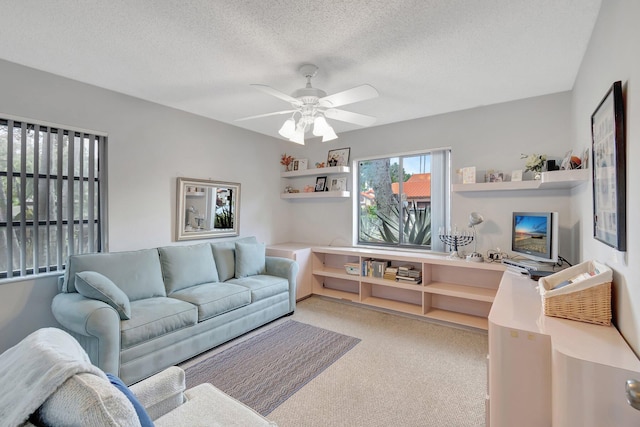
[162, 392]
[96, 326]
[288, 269]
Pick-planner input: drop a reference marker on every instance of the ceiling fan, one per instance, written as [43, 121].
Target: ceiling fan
[313, 106]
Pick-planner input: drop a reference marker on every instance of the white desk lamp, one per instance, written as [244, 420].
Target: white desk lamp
[474, 219]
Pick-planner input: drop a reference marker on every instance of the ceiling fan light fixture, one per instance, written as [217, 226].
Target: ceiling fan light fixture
[288, 128]
[298, 136]
[320, 126]
[329, 135]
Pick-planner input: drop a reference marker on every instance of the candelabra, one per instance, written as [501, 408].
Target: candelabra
[455, 239]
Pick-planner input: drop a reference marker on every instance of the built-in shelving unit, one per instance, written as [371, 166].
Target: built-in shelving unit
[333, 170]
[452, 290]
[564, 179]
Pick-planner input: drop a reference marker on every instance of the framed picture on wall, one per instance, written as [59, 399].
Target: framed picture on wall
[609, 170]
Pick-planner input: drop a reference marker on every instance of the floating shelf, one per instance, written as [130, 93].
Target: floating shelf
[550, 180]
[316, 171]
[315, 195]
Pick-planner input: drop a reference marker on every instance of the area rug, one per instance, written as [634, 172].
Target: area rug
[265, 370]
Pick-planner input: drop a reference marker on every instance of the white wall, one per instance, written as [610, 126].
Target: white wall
[492, 137]
[613, 55]
[149, 146]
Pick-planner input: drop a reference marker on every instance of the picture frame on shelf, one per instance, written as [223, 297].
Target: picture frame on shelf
[321, 183]
[469, 175]
[300, 164]
[338, 184]
[516, 175]
[338, 157]
[609, 170]
[494, 176]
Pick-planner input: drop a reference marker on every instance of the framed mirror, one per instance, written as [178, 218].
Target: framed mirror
[207, 209]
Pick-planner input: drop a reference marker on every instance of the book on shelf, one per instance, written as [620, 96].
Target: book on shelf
[378, 267]
[413, 280]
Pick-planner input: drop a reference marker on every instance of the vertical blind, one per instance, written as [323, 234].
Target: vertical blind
[52, 195]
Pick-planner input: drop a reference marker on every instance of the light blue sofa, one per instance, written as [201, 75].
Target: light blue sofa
[139, 312]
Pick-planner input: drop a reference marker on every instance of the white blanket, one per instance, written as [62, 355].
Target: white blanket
[34, 368]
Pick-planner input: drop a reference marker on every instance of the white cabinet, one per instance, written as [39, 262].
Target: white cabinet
[329, 171]
[453, 291]
[301, 253]
[546, 371]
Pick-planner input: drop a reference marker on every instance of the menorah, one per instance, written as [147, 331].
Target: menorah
[454, 240]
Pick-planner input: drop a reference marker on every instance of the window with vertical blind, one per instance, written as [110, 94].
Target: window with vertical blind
[52, 195]
[403, 198]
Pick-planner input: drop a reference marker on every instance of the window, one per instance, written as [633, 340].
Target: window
[52, 196]
[402, 198]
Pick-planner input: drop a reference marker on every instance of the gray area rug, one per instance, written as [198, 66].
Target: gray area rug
[265, 370]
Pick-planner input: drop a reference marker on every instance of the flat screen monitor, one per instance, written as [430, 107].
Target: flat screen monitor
[534, 235]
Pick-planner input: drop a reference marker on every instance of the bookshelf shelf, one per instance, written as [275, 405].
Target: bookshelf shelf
[453, 291]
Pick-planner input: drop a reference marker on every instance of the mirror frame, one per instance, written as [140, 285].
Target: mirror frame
[191, 188]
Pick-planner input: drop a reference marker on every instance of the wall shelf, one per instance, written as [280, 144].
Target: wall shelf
[315, 195]
[333, 170]
[564, 179]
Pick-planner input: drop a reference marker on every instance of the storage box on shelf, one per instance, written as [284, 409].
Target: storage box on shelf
[448, 290]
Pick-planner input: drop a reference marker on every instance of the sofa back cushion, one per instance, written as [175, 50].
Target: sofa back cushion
[185, 266]
[225, 256]
[137, 273]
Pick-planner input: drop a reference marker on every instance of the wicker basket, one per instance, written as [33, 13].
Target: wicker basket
[587, 300]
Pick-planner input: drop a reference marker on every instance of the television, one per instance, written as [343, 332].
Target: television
[534, 235]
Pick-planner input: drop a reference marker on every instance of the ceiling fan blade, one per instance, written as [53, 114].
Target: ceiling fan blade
[277, 94]
[348, 116]
[349, 96]
[277, 113]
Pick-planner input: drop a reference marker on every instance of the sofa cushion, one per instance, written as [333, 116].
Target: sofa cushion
[143, 417]
[154, 317]
[213, 299]
[96, 286]
[225, 256]
[87, 400]
[184, 266]
[262, 286]
[137, 273]
[250, 259]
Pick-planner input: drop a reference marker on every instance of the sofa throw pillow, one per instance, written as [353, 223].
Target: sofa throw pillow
[145, 419]
[96, 286]
[250, 259]
[225, 255]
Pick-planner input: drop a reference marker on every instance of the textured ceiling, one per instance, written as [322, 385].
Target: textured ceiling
[425, 57]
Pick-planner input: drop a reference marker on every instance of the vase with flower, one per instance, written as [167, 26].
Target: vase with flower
[286, 162]
[534, 163]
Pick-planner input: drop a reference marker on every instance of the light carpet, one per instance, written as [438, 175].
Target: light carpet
[266, 369]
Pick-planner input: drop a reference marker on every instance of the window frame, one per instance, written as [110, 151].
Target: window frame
[442, 192]
[66, 184]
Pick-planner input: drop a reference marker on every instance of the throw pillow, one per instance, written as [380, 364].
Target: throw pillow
[96, 286]
[145, 419]
[250, 259]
